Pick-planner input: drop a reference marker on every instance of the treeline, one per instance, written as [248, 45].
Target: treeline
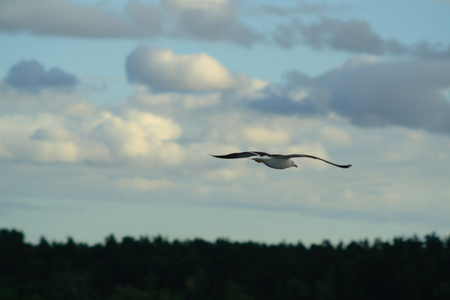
[158, 269]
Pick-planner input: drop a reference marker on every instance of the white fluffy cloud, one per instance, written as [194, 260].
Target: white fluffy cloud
[36, 138]
[138, 135]
[101, 137]
[161, 69]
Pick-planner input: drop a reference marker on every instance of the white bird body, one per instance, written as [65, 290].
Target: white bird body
[275, 161]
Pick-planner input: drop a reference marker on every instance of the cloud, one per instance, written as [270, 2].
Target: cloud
[137, 135]
[30, 75]
[162, 70]
[142, 184]
[212, 21]
[428, 50]
[371, 93]
[50, 134]
[335, 135]
[147, 18]
[257, 136]
[405, 93]
[40, 138]
[215, 20]
[264, 136]
[100, 137]
[292, 99]
[300, 7]
[352, 35]
[203, 20]
[63, 18]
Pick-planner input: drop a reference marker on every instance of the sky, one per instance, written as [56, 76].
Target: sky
[109, 111]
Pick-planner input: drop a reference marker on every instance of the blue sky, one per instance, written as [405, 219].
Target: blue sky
[108, 113]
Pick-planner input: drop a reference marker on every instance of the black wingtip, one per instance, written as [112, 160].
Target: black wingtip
[342, 166]
[221, 156]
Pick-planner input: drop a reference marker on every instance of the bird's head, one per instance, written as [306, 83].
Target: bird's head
[293, 163]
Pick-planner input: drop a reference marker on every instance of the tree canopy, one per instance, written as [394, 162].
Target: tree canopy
[159, 269]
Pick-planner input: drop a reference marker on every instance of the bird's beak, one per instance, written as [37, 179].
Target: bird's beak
[295, 166]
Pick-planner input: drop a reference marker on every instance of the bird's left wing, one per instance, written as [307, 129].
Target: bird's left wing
[315, 157]
[241, 155]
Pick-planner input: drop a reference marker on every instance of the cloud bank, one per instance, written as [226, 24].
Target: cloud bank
[154, 145]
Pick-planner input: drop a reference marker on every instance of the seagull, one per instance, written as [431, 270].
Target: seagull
[275, 161]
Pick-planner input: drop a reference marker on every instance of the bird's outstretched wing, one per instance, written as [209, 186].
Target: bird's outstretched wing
[245, 154]
[315, 157]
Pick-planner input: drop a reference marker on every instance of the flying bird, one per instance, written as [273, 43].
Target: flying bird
[275, 161]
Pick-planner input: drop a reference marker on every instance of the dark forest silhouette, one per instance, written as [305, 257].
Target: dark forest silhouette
[155, 268]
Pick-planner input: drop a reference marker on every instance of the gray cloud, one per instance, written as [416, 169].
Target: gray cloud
[211, 21]
[435, 51]
[400, 93]
[30, 75]
[56, 17]
[406, 93]
[301, 7]
[281, 100]
[352, 35]
[284, 105]
[148, 18]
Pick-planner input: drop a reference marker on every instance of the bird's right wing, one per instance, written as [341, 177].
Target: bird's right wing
[315, 157]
